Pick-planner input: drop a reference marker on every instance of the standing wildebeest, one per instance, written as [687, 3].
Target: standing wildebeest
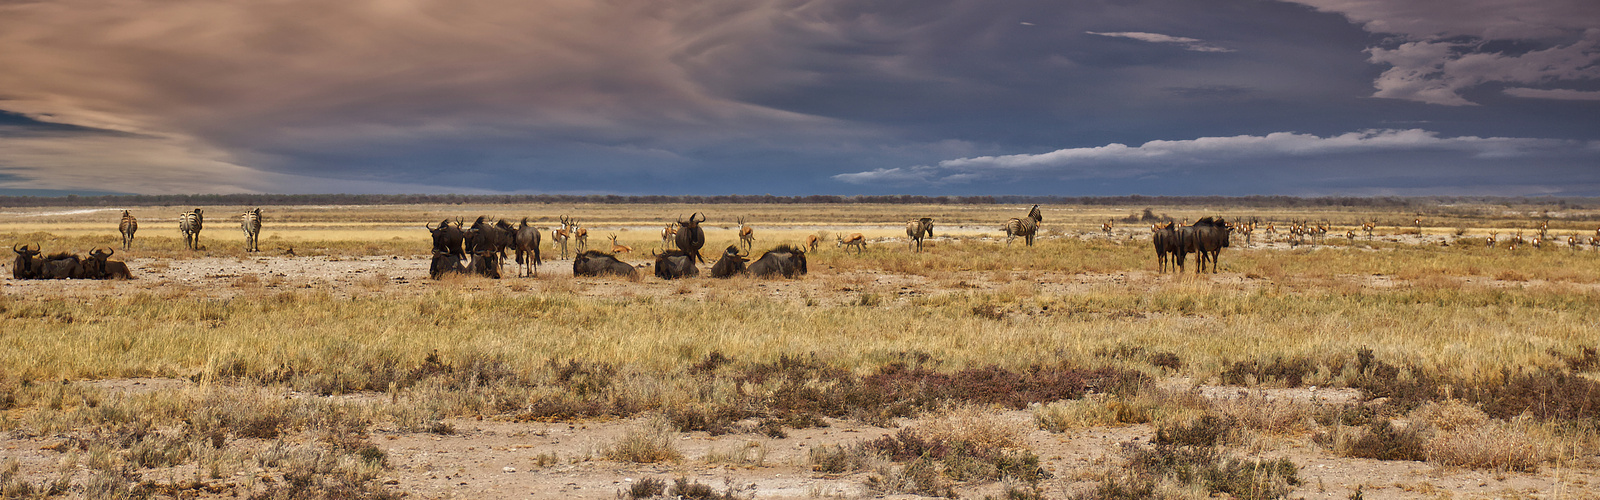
[1210, 236]
[128, 226]
[526, 241]
[250, 222]
[747, 235]
[189, 223]
[785, 260]
[918, 229]
[730, 264]
[28, 264]
[98, 267]
[1025, 227]
[674, 264]
[854, 240]
[597, 263]
[691, 238]
[448, 238]
[1165, 241]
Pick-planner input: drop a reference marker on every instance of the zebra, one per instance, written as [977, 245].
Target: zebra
[250, 222]
[1024, 227]
[918, 229]
[128, 226]
[190, 223]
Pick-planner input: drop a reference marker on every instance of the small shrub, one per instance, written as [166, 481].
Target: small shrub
[1208, 430]
[648, 443]
[831, 459]
[1496, 446]
[647, 488]
[1380, 440]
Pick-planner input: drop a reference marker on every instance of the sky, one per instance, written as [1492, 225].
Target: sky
[801, 97]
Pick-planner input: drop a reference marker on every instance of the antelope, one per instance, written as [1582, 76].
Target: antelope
[747, 235]
[582, 235]
[1272, 229]
[668, 233]
[1247, 229]
[559, 236]
[1368, 226]
[1350, 235]
[1544, 230]
[1537, 242]
[1490, 242]
[1105, 227]
[1322, 233]
[811, 242]
[1572, 242]
[855, 240]
[1516, 241]
[128, 226]
[616, 248]
[1418, 224]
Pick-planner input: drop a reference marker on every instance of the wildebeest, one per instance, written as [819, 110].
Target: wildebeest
[854, 240]
[1025, 227]
[128, 226]
[674, 264]
[99, 266]
[250, 222]
[190, 223]
[597, 263]
[526, 241]
[919, 228]
[60, 266]
[486, 237]
[1210, 237]
[690, 237]
[747, 235]
[1165, 241]
[784, 260]
[448, 238]
[731, 263]
[28, 265]
[486, 264]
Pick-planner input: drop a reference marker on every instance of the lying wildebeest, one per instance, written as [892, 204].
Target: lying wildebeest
[486, 264]
[99, 267]
[730, 264]
[1210, 237]
[526, 241]
[674, 264]
[785, 260]
[596, 263]
[28, 264]
[690, 237]
[448, 238]
[60, 266]
[1165, 241]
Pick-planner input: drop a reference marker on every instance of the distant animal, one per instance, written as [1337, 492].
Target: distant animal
[28, 265]
[1418, 224]
[1247, 230]
[1572, 242]
[448, 238]
[1489, 242]
[1025, 227]
[1544, 230]
[596, 263]
[1165, 241]
[674, 264]
[811, 242]
[783, 260]
[526, 243]
[99, 266]
[190, 223]
[1538, 242]
[618, 248]
[1210, 237]
[1105, 227]
[667, 235]
[918, 229]
[559, 236]
[1516, 240]
[1350, 235]
[690, 237]
[581, 235]
[747, 235]
[127, 227]
[250, 222]
[731, 263]
[1368, 226]
[854, 240]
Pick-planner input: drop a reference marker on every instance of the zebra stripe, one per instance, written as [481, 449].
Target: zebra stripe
[190, 223]
[250, 222]
[127, 227]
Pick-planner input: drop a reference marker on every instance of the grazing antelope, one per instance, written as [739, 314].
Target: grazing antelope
[128, 226]
[1105, 227]
[811, 242]
[668, 234]
[250, 222]
[190, 223]
[855, 240]
[560, 235]
[616, 248]
[1025, 227]
[917, 229]
[1594, 241]
[747, 235]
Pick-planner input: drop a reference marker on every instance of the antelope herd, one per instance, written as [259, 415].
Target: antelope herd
[480, 249]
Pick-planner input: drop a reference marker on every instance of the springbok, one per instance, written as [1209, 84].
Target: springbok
[1105, 227]
[1368, 226]
[128, 226]
[1544, 230]
[582, 235]
[559, 236]
[1490, 241]
[1350, 235]
[616, 248]
[811, 242]
[747, 235]
[1572, 241]
[668, 234]
[855, 240]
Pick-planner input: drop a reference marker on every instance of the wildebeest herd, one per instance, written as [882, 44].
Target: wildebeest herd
[31, 264]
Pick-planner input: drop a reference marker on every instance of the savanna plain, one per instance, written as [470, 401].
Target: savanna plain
[1416, 361]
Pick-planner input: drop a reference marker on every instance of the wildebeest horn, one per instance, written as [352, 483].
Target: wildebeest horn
[17, 250]
[428, 225]
[702, 217]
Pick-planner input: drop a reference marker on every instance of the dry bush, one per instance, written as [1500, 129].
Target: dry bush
[1495, 445]
[972, 425]
[650, 442]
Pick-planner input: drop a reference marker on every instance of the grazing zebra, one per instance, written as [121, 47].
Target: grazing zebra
[747, 235]
[189, 223]
[917, 229]
[250, 222]
[1024, 227]
[128, 226]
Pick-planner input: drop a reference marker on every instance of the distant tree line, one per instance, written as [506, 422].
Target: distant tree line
[1384, 202]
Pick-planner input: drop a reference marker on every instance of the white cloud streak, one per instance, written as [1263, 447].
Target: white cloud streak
[1192, 44]
[1121, 161]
